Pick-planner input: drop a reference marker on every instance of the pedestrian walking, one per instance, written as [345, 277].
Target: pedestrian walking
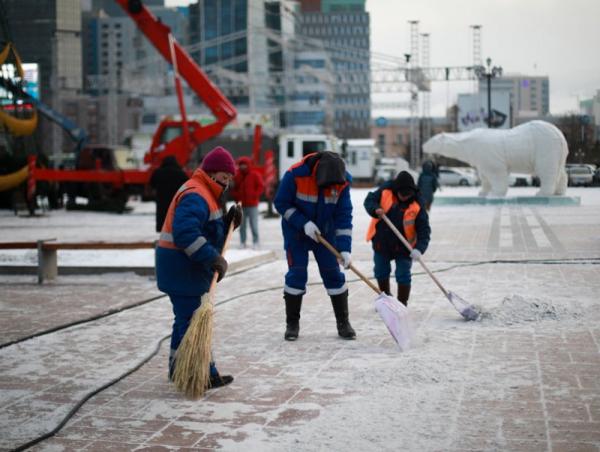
[314, 198]
[428, 183]
[247, 189]
[165, 181]
[399, 200]
[190, 244]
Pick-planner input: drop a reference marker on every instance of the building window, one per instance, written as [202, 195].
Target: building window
[210, 19]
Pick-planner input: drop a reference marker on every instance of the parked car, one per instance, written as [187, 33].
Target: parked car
[520, 180]
[457, 176]
[596, 180]
[580, 175]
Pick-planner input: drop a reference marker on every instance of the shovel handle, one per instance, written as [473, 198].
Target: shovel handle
[391, 225]
[336, 253]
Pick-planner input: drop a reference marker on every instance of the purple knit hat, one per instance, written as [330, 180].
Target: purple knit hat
[219, 159]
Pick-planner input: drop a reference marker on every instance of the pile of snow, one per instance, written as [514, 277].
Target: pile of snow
[516, 309]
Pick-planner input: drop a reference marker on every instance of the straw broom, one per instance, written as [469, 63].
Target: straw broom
[192, 360]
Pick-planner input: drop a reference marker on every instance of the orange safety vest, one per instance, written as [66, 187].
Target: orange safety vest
[200, 184]
[307, 189]
[408, 220]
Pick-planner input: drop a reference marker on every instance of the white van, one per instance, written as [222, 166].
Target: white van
[292, 147]
[360, 156]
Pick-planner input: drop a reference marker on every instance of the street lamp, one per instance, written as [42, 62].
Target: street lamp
[488, 73]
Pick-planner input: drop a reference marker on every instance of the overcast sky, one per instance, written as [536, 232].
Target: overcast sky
[557, 38]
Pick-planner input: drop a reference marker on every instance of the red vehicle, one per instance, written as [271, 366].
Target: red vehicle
[177, 138]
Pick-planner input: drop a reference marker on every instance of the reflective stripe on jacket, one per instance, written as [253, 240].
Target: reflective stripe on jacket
[192, 236]
[408, 221]
[193, 185]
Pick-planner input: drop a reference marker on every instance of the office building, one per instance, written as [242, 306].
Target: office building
[343, 26]
[49, 33]
[529, 95]
[120, 63]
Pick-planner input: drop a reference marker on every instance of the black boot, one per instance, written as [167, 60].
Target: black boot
[340, 308]
[384, 285]
[216, 381]
[403, 293]
[293, 303]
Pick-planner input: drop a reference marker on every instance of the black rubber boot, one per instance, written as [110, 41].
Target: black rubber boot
[384, 285]
[216, 381]
[293, 303]
[340, 308]
[403, 293]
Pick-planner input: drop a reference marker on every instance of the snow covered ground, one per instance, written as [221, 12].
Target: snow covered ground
[523, 377]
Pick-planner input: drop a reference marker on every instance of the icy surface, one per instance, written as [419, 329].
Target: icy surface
[523, 377]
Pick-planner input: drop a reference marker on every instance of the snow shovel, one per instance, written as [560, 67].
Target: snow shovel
[464, 308]
[393, 313]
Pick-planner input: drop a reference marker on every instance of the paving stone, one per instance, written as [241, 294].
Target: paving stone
[502, 383]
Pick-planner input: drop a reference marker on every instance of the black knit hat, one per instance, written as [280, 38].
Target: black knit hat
[404, 183]
[331, 169]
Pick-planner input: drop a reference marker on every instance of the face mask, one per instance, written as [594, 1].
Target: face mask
[224, 186]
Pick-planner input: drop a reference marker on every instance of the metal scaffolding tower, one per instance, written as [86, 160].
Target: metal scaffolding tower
[476, 35]
[413, 63]
[476, 42]
[426, 99]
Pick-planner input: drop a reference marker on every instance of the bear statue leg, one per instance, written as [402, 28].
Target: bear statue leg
[498, 181]
[485, 186]
[550, 187]
[550, 168]
[561, 183]
[547, 186]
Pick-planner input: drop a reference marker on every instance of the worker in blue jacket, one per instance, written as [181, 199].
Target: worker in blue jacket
[189, 249]
[314, 198]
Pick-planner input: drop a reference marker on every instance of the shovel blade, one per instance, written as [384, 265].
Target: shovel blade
[397, 320]
[465, 309]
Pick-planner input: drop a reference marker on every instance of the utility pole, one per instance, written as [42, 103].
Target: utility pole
[489, 73]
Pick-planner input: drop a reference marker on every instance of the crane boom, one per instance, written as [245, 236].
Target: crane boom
[159, 35]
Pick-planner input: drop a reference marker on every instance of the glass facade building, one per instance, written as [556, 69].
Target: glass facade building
[344, 28]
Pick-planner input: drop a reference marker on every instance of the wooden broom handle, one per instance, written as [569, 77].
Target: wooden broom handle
[213, 283]
[410, 248]
[330, 247]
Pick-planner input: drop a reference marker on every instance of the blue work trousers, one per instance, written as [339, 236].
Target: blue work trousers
[383, 268]
[296, 277]
[183, 308]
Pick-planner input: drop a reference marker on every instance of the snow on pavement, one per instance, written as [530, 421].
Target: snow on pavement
[523, 377]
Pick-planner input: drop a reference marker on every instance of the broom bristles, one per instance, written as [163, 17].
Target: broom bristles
[192, 360]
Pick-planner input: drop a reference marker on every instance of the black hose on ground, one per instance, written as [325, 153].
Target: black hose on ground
[80, 321]
[88, 396]
[71, 413]
[568, 261]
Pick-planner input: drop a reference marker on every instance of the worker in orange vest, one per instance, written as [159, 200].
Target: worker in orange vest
[190, 244]
[399, 199]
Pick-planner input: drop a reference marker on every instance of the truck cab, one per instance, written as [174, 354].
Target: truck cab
[360, 156]
[293, 147]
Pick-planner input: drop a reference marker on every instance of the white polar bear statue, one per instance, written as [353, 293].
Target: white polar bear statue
[536, 147]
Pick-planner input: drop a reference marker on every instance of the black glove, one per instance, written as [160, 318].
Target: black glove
[234, 214]
[220, 266]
